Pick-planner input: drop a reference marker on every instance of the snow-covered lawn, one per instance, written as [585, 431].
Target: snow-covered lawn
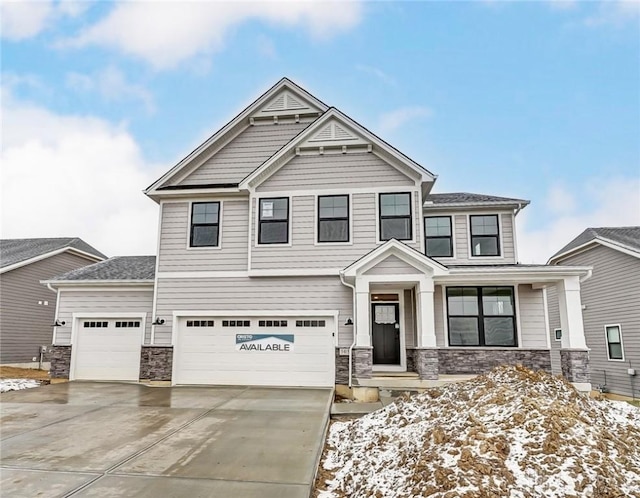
[510, 433]
[17, 384]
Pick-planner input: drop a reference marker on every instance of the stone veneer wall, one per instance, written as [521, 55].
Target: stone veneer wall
[156, 363]
[427, 363]
[342, 368]
[575, 365]
[478, 361]
[411, 364]
[363, 362]
[60, 362]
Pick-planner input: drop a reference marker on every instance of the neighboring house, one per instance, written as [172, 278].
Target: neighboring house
[27, 308]
[611, 306]
[297, 248]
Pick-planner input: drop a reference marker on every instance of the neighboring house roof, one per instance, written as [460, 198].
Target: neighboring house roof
[624, 239]
[119, 268]
[15, 253]
[454, 199]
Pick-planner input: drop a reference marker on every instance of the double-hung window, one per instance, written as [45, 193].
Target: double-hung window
[485, 235]
[614, 342]
[395, 216]
[274, 221]
[333, 218]
[438, 241]
[481, 316]
[205, 224]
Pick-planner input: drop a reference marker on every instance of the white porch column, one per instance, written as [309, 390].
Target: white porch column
[363, 306]
[571, 313]
[425, 312]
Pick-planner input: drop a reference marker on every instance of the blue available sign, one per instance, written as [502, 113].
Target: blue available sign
[264, 342]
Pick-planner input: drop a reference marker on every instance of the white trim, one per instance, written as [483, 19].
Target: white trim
[516, 299]
[154, 304]
[514, 237]
[402, 367]
[500, 237]
[76, 252]
[250, 313]
[204, 194]
[335, 191]
[555, 336]
[94, 285]
[189, 225]
[606, 342]
[251, 234]
[445, 316]
[587, 245]
[282, 195]
[316, 222]
[302, 272]
[55, 329]
[545, 304]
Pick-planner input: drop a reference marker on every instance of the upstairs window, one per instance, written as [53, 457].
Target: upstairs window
[333, 218]
[205, 224]
[274, 221]
[485, 236]
[614, 342]
[395, 216]
[438, 243]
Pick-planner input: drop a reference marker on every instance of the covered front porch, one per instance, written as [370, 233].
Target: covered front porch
[418, 320]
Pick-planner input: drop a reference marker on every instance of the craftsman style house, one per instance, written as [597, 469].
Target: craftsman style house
[296, 248]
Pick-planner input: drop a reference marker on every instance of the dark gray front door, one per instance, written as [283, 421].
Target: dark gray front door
[385, 329]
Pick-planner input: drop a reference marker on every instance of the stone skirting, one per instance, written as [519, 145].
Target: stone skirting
[575, 365]
[426, 363]
[342, 368]
[363, 362]
[60, 362]
[156, 363]
[479, 361]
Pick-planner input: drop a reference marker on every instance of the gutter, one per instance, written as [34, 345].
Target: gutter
[355, 321]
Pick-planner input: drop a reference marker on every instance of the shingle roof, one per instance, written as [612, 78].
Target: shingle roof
[116, 268]
[14, 251]
[625, 236]
[466, 198]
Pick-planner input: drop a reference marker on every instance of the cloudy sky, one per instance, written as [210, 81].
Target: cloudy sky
[537, 100]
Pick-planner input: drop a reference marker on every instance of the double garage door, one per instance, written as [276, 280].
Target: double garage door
[250, 350]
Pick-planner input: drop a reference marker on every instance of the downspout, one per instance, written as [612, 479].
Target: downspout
[355, 321]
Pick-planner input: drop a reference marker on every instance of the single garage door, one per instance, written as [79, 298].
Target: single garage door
[273, 351]
[107, 349]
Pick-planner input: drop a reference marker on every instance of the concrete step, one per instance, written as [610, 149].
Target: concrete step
[409, 383]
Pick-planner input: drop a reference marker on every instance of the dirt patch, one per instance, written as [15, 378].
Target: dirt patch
[23, 373]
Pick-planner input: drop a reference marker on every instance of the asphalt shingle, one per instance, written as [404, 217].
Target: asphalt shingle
[14, 251]
[626, 236]
[469, 198]
[116, 268]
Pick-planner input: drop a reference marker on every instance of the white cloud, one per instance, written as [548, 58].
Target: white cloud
[393, 120]
[22, 19]
[112, 85]
[165, 33]
[74, 176]
[615, 12]
[378, 73]
[612, 202]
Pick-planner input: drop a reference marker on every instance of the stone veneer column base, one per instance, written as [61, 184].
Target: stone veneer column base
[426, 363]
[363, 362]
[60, 362]
[156, 363]
[342, 368]
[575, 365]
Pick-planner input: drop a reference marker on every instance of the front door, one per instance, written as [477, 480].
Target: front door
[385, 331]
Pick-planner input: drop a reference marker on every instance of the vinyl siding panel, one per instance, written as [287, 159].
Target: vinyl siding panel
[305, 253]
[102, 301]
[175, 255]
[533, 329]
[244, 153]
[26, 325]
[269, 294]
[392, 266]
[331, 171]
[611, 296]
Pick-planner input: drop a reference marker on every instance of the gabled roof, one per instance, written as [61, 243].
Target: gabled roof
[294, 98]
[334, 129]
[15, 253]
[119, 268]
[466, 199]
[624, 239]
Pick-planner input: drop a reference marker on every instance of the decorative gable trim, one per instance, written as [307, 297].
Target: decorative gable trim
[334, 134]
[287, 103]
[71, 250]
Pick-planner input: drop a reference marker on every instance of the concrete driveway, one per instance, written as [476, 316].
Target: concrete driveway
[110, 440]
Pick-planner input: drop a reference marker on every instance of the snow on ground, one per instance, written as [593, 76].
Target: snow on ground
[511, 433]
[17, 384]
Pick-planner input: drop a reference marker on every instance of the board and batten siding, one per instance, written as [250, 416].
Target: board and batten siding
[175, 254]
[335, 171]
[102, 301]
[244, 153]
[304, 252]
[26, 325]
[260, 293]
[532, 330]
[611, 297]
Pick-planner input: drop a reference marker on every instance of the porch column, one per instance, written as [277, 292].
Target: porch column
[574, 354]
[363, 334]
[426, 356]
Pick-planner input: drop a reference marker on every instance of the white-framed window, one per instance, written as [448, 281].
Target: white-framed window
[485, 235]
[395, 216]
[205, 224]
[557, 334]
[615, 348]
[273, 218]
[333, 218]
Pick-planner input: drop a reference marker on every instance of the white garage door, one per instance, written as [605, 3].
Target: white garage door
[107, 349]
[273, 351]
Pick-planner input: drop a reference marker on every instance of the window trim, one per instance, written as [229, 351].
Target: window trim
[380, 217]
[450, 237]
[555, 335]
[606, 342]
[480, 317]
[348, 218]
[190, 230]
[498, 236]
[258, 214]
